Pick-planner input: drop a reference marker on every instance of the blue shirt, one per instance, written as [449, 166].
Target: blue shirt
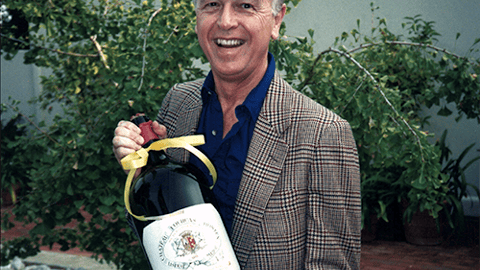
[229, 154]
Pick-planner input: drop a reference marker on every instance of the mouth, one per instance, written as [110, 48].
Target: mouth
[229, 43]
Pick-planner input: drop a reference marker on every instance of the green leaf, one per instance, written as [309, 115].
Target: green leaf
[477, 40]
[311, 32]
[444, 111]
[70, 190]
[383, 211]
[107, 200]
[79, 204]
[105, 209]
[41, 229]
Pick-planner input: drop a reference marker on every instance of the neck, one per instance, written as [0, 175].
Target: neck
[233, 90]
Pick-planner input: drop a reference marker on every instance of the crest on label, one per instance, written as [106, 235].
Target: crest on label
[187, 243]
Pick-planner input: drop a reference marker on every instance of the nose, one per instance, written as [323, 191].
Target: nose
[227, 17]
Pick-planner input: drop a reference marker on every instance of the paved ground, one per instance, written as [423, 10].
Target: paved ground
[376, 255]
[61, 260]
[380, 255]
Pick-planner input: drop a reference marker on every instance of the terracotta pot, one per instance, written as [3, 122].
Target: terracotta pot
[422, 229]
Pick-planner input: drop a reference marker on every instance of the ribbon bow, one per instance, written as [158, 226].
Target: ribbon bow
[139, 159]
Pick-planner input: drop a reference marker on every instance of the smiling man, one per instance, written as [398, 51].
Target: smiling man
[288, 186]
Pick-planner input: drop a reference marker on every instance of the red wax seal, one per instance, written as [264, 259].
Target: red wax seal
[147, 132]
[146, 127]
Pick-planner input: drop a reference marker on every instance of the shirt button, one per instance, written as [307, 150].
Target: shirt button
[214, 132]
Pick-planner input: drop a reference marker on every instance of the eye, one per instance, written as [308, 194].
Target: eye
[247, 6]
[210, 5]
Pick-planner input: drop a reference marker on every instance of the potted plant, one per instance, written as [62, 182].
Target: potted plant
[423, 207]
[429, 210]
[458, 186]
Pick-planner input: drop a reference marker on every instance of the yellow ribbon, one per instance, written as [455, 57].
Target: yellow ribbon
[139, 159]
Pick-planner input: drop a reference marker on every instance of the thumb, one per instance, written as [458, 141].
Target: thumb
[160, 130]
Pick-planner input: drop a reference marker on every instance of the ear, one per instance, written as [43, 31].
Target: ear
[196, 31]
[278, 22]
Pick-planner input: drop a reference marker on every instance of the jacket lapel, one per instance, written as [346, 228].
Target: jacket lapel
[263, 167]
[265, 159]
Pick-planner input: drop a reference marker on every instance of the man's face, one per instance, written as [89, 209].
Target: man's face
[234, 35]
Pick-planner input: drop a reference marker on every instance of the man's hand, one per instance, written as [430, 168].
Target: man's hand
[128, 138]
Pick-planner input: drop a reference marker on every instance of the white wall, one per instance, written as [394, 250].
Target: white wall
[17, 81]
[21, 82]
[329, 18]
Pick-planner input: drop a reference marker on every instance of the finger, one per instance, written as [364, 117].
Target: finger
[124, 131]
[130, 126]
[125, 142]
[160, 130]
[122, 152]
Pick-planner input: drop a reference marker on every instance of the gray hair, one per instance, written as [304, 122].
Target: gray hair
[276, 6]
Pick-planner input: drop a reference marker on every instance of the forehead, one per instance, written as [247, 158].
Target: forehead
[237, 1]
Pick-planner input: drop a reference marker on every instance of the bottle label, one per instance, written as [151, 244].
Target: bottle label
[190, 238]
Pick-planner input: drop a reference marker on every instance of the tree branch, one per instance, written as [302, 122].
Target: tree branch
[93, 39]
[378, 87]
[145, 46]
[52, 50]
[307, 81]
[363, 46]
[353, 96]
[100, 52]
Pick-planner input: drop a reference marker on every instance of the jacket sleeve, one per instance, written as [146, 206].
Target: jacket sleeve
[334, 203]
[163, 114]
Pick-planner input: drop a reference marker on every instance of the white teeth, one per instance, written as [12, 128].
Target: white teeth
[228, 42]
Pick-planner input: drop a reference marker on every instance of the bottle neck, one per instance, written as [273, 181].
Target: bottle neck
[145, 125]
[156, 157]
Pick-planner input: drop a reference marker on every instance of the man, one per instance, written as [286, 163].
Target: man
[288, 185]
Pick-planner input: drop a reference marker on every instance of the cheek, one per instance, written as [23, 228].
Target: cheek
[201, 35]
[202, 28]
[267, 27]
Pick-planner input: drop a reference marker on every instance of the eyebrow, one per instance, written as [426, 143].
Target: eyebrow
[200, 2]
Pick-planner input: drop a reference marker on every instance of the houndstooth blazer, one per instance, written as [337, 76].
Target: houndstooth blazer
[298, 205]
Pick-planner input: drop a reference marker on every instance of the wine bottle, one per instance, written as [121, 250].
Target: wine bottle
[171, 207]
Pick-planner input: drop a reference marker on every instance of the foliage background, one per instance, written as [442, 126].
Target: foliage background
[96, 51]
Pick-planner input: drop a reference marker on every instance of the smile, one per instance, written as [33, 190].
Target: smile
[229, 43]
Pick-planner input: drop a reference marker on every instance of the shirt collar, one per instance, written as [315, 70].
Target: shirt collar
[255, 98]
